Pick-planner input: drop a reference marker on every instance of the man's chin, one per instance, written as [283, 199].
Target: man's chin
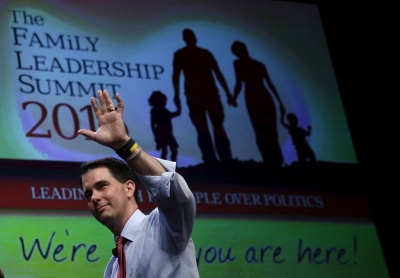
[103, 217]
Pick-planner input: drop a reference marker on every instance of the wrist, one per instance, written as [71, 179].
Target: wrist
[135, 155]
[119, 145]
[127, 149]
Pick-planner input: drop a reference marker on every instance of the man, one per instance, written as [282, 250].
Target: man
[156, 245]
[198, 66]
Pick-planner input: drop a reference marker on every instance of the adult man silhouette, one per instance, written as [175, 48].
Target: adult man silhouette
[198, 66]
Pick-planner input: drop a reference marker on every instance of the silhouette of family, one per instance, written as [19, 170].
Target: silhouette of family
[199, 67]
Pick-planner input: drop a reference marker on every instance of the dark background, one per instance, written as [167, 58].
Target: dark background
[360, 37]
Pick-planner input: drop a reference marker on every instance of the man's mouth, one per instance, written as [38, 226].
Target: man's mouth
[101, 207]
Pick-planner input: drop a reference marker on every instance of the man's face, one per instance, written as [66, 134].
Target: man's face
[107, 198]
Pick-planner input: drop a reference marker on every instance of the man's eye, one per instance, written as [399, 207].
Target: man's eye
[88, 196]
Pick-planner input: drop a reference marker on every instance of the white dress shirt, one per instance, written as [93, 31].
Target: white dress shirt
[159, 244]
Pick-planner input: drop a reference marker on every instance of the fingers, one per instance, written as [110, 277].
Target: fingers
[109, 105]
[120, 108]
[95, 107]
[106, 103]
[103, 104]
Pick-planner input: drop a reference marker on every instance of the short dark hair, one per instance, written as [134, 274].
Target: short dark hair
[118, 169]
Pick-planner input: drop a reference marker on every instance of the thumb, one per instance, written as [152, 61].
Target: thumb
[87, 133]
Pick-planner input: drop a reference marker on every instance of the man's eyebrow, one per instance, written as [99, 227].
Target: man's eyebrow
[96, 184]
[99, 182]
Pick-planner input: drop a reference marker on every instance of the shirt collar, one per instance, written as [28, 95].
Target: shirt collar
[132, 225]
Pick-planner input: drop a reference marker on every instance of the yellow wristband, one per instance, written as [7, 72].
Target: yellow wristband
[134, 147]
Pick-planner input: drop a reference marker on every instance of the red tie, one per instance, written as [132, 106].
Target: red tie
[121, 257]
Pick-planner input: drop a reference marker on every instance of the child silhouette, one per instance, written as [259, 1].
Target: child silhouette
[298, 135]
[161, 125]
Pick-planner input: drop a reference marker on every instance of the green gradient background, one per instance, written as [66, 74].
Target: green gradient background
[366, 261]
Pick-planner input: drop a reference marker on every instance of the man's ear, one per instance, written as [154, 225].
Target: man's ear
[130, 187]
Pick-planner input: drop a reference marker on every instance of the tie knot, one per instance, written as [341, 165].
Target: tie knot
[121, 240]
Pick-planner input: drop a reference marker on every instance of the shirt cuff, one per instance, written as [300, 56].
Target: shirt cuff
[160, 185]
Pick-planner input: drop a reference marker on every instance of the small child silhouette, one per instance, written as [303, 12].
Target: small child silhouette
[161, 125]
[298, 135]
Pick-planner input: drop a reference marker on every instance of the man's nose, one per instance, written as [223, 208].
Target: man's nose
[95, 197]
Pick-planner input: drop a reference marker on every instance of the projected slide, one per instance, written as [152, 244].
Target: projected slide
[247, 80]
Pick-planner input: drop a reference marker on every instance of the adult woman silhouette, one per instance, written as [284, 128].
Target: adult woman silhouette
[259, 103]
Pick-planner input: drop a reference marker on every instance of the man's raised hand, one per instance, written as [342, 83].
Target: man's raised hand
[111, 132]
